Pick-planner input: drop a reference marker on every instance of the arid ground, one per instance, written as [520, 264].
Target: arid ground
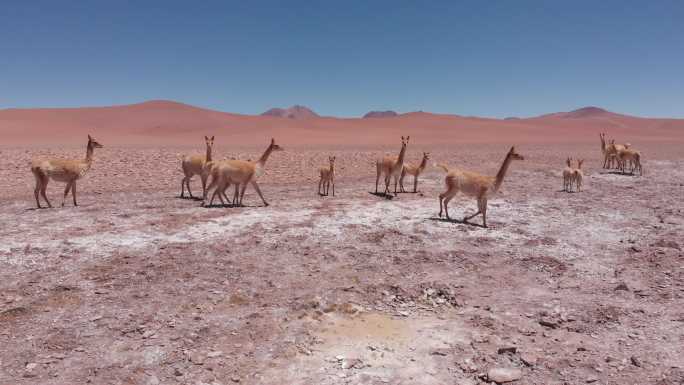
[138, 286]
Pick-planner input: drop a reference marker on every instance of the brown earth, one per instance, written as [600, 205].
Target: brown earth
[137, 286]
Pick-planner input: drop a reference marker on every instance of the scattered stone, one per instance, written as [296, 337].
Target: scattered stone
[503, 375]
[196, 358]
[591, 380]
[148, 334]
[352, 363]
[622, 286]
[440, 352]
[153, 380]
[235, 379]
[635, 361]
[549, 323]
[177, 372]
[507, 349]
[529, 359]
[31, 365]
[214, 354]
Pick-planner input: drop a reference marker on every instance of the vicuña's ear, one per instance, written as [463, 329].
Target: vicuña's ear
[89, 138]
[212, 138]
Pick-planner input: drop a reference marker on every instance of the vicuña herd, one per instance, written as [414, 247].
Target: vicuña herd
[241, 173]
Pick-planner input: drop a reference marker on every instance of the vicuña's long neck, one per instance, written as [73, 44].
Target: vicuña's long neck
[265, 156]
[208, 158]
[89, 153]
[400, 159]
[423, 164]
[603, 145]
[502, 173]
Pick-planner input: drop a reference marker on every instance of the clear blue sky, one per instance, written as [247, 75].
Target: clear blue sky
[486, 58]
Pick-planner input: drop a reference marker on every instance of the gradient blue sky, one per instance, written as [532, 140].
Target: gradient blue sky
[486, 58]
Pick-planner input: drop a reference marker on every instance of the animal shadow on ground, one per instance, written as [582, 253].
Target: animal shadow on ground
[220, 206]
[617, 173]
[189, 198]
[382, 195]
[459, 221]
[230, 206]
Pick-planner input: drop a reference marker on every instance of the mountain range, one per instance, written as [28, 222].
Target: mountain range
[162, 122]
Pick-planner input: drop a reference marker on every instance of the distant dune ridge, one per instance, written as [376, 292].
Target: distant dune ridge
[381, 114]
[164, 123]
[294, 112]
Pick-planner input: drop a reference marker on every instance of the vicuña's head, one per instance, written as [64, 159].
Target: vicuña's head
[404, 142]
[209, 141]
[93, 143]
[579, 163]
[274, 146]
[567, 161]
[426, 155]
[514, 155]
[331, 159]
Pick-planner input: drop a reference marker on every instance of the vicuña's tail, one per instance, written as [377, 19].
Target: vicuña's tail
[442, 166]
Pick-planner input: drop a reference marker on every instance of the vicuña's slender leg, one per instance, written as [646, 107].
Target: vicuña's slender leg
[333, 183]
[242, 193]
[43, 189]
[183, 188]
[37, 190]
[187, 184]
[204, 184]
[66, 192]
[446, 205]
[401, 181]
[256, 187]
[482, 203]
[415, 184]
[73, 192]
[377, 179]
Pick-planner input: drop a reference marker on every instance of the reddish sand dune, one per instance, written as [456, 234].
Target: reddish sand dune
[170, 123]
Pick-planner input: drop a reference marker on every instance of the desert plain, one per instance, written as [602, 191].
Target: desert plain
[138, 286]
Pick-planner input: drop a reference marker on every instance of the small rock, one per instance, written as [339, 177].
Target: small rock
[352, 363]
[153, 380]
[503, 375]
[196, 358]
[635, 361]
[177, 372]
[214, 354]
[31, 365]
[591, 380]
[622, 286]
[235, 379]
[548, 323]
[507, 349]
[529, 359]
[440, 352]
[148, 334]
